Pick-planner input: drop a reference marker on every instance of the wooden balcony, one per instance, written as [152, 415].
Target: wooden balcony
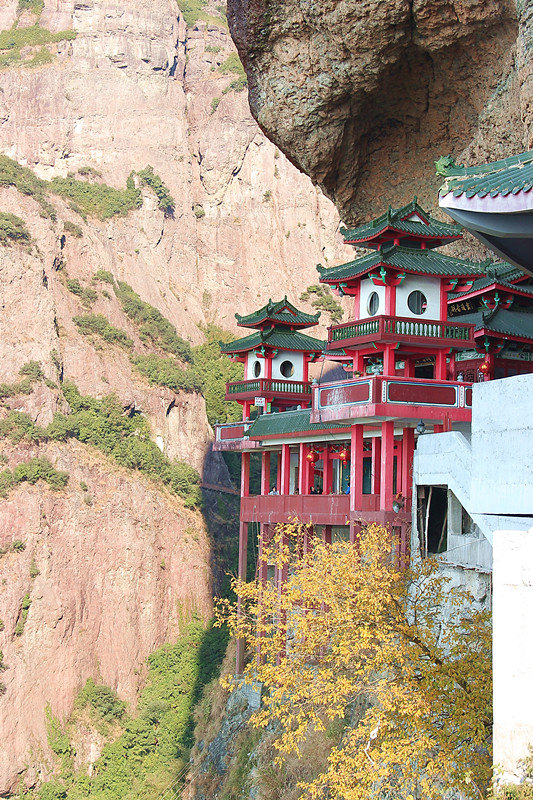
[386, 330]
[269, 388]
[233, 436]
[321, 509]
[379, 397]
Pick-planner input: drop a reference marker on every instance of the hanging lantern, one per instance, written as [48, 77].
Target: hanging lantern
[343, 454]
[484, 367]
[312, 456]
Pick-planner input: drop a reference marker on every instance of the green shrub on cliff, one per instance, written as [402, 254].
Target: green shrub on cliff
[148, 177]
[154, 328]
[214, 369]
[98, 325]
[16, 41]
[102, 699]
[13, 230]
[31, 471]
[165, 371]
[323, 300]
[87, 295]
[98, 199]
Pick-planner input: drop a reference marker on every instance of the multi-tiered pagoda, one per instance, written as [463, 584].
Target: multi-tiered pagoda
[337, 454]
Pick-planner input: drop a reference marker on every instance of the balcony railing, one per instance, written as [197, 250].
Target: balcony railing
[392, 328]
[261, 387]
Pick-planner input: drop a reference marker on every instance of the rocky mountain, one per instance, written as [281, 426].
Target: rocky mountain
[364, 97]
[100, 571]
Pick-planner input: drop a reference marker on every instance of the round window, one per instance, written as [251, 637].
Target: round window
[287, 369]
[417, 302]
[373, 304]
[257, 369]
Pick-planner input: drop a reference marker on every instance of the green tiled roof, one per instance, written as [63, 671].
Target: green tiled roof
[509, 176]
[504, 321]
[277, 339]
[491, 280]
[423, 262]
[283, 313]
[393, 218]
[285, 423]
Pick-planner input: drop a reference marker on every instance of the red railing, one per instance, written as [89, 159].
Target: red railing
[386, 328]
[261, 387]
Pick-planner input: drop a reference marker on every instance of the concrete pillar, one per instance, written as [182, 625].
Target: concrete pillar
[387, 465]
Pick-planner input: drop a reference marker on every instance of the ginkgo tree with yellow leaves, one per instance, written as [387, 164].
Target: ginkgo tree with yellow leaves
[348, 635]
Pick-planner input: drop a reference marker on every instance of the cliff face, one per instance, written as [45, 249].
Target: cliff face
[119, 563]
[363, 97]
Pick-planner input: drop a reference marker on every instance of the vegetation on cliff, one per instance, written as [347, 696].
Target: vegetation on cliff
[103, 424]
[413, 694]
[149, 757]
[13, 230]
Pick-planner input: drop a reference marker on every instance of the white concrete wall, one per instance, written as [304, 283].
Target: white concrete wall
[251, 360]
[430, 288]
[513, 650]
[502, 446]
[296, 359]
[367, 287]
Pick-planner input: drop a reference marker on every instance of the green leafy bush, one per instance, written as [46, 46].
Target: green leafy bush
[105, 276]
[14, 40]
[148, 177]
[102, 699]
[13, 230]
[36, 6]
[214, 104]
[233, 66]
[323, 300]
[214, 370]
[72, 229]
[153, 327]
[31, 471]
[167, 372]
[30, 373]
[193, 11]
[86, 294]
[32, 370]
[98, 199]
[98, 325]
[24, 611]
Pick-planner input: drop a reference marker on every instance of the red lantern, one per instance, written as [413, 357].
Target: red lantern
[484, 367]
[343, 454]
[312, 456]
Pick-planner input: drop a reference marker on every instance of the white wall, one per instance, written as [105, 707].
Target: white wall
[367, 287]
[430, 288]
[296, 359]
[513, 650]
[502, 446]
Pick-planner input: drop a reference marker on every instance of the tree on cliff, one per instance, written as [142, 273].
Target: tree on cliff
[364, 642]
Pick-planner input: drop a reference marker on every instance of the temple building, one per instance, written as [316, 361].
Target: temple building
[338, 453]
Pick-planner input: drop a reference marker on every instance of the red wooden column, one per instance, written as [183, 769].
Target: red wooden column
[390, 300]
[265, 472]
[243, 557]
[358, 362]
[327, 474]
[356, 477]
[376, 464]
[440, 366]
[408, 450]
[389, 359]
[387, 465]
[326, 534]
[278, 475]
[245, 475]
[309, 533]
[285, 468]
[262, 571]
[409, 371]
[246, 406]
[304, 473]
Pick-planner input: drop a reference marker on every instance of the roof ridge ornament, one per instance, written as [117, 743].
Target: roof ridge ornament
[446, 166]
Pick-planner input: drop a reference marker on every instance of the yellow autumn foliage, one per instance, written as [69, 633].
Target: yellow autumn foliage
[350, 636]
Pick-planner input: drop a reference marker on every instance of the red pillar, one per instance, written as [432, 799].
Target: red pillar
[285, 468]
[376, 464]
[245, 475]
[358, 362]
[246, 406]
[357, 301]
[390, 300]
[303, 475]
[443, 302]
[356, 469]
[407, 462]
[387, 465]
[265, 472]
[326, 479]
[389, 360]
[326, 534]
[243, 556]
[440, 366]
[409, 371]
[278, 475]
[262, 571]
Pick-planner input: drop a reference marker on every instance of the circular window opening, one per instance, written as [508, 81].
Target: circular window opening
[417, 302]
[287, 369]
[257, 369]
[373, 303]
